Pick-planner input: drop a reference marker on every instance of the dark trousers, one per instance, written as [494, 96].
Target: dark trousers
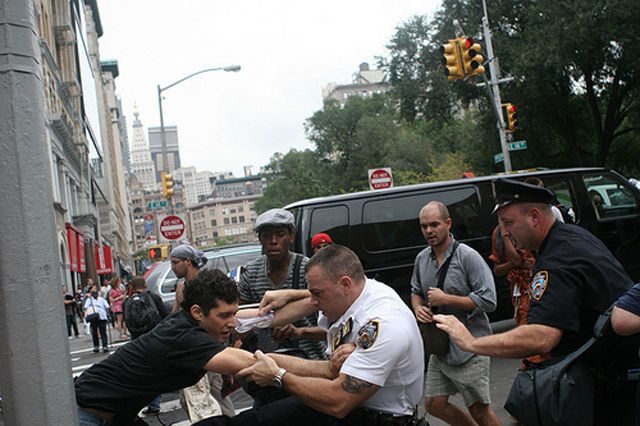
[102, 326]
[287, 411]
[71, 322]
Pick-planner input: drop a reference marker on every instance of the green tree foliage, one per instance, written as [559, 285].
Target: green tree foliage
[292, 177]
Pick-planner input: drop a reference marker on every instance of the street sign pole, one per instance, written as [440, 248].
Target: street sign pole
[37, 387]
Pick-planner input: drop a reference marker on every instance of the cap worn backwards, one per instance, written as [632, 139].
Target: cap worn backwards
[275, 217]
[507, 191]
[185, 251]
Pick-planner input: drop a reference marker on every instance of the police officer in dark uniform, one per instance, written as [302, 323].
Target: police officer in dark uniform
[574, 280]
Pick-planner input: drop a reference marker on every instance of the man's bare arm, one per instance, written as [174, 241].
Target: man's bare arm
[334, 397]
[313, 368]
[520, 342]
[230, 361]
[276, 299]
[293, 311]
[625, 323]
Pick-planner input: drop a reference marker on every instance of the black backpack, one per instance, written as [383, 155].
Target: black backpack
[140, 313]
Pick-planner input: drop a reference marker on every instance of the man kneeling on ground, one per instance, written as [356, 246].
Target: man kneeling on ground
[173, 355]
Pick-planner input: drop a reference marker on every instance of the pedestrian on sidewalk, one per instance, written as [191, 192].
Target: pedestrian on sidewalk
[70, 312]
[95, 313]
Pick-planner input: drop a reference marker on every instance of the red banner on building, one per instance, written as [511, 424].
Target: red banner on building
[72, 242]
[104, 262]
[82, 262]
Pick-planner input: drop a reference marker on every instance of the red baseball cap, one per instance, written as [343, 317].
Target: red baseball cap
[319, 239]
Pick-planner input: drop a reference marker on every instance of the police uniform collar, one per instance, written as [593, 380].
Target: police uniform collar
[542, 247]
[508, 191]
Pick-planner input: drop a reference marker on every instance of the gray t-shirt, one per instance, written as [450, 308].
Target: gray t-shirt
[254, 282]
[468, 275]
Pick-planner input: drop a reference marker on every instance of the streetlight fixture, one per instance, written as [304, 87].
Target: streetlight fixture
[165, 159]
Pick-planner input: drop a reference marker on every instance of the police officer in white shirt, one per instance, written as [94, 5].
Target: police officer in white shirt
[379, 383]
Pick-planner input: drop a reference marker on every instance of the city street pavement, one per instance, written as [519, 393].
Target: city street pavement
[171, 413]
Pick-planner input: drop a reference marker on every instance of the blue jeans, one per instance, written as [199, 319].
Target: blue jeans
[87, 418]
[102, 326]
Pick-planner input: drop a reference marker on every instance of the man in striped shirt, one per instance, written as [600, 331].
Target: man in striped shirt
[279, 268]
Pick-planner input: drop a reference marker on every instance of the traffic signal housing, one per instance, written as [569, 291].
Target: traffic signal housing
[155, 253]
[471, 57]
[451, 60]
[512, 117]
[167, 185]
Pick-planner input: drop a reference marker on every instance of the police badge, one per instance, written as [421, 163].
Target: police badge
[368, 334]
[539, 284]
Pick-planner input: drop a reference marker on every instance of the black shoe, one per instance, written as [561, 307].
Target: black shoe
[105, 350]
[96, 349]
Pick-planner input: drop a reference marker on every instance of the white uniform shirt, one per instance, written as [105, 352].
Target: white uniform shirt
[388, 351]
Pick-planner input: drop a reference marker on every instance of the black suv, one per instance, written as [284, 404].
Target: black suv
[381, 226]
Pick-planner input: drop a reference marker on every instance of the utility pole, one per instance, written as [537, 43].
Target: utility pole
[494, 90]
[37, 387]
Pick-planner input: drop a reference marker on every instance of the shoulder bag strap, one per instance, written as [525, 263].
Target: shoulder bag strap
[295, 284]
[445, 267]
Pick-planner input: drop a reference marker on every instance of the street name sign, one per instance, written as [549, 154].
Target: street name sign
[157, 204]
[172, 227]
[498, 158]
[517, 145]
[380, 178]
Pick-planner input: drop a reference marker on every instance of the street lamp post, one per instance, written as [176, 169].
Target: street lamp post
[165, 158]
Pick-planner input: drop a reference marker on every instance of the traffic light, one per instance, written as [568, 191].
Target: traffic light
[471, 57]
[167, 185]
[451, 60]
[164, 251]
[512, 117]
[155, 253]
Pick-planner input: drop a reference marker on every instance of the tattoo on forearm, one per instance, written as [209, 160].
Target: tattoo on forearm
[353, 385]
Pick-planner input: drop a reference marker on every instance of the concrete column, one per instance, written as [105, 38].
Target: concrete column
[35, 372]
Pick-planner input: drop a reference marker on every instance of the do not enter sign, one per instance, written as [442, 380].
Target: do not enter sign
[380, 178]
[172, 227]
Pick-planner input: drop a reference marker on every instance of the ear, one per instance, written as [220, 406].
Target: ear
[345, 282]
[196, 312]
[449, 222]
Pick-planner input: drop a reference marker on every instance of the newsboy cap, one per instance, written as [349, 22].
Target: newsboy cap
[507, 191]
[275, 217]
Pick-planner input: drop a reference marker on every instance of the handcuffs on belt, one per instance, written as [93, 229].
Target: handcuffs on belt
[366, 417]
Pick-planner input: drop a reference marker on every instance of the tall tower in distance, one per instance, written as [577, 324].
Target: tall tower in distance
[141, 164]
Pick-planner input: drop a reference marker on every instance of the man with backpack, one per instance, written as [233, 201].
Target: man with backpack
[142, 311]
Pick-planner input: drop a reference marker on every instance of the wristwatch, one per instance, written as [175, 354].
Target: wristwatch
[277, 379]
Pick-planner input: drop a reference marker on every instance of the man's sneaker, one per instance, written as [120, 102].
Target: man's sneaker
[96, 349]
[105, 350]
[70, 337]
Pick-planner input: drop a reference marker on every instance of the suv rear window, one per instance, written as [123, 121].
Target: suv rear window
[610, 197]
[393, 223]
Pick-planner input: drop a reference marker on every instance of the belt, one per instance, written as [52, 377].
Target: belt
[367, 417]
[104, 414]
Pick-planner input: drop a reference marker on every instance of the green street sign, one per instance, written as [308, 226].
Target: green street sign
[498, 158]
[517, 145]
[157, 204]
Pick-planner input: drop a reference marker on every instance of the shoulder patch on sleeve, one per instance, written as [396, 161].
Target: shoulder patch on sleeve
[368, 334]
[539, 284]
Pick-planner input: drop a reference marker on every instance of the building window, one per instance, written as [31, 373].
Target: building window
[241, 219]
[234, 220]
[214, 223]
[226, 220]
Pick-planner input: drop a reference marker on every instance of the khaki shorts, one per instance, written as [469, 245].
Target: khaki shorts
[471, 379]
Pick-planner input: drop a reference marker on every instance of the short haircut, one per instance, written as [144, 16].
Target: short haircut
[137, 283]
[337, 261]
[207, 288]
[442, 208]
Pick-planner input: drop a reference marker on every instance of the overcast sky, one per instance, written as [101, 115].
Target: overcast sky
[289, 51]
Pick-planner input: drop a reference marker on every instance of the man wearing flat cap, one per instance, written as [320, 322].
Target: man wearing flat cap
[575, 278]
[279, 268]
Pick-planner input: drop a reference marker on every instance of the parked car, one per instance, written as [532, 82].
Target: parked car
[162, 281]
[381, 226]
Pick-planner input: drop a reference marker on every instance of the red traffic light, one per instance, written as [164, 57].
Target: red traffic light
[513, 108]
[152, 253]
[470, 42]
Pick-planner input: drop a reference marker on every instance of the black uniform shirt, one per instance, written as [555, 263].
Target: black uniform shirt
[168, 358]
[575, 279]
